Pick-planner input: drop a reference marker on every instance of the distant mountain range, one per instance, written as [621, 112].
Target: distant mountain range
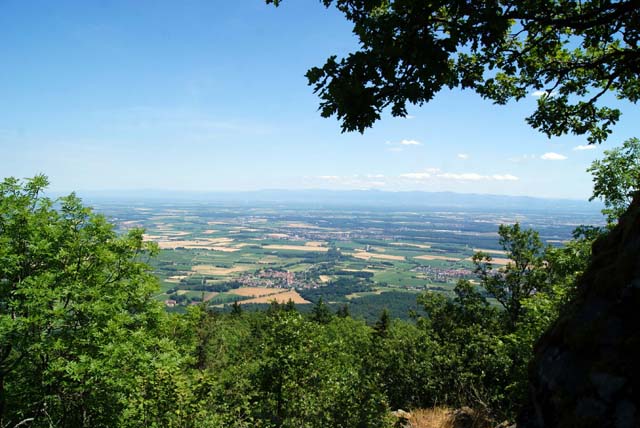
[370, 198]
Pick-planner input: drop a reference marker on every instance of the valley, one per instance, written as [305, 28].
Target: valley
[365, 257]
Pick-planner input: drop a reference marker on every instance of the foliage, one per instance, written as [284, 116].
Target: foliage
[523, 275]
[616, 178]
[381, 327]
[335, 291]
[281, 369]
[82, 343]
[573, 52]
[481, 353]
[402, 360]
[76, 312]
[320, 312]
[470, 362]
[401, 305]
[565, 264]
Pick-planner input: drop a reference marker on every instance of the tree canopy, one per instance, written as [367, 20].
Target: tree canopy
[573, 53]
[521, 277]
[616, 178]
[77, 318]
[84, 344]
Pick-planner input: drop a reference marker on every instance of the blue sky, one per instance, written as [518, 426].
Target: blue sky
[202, 95]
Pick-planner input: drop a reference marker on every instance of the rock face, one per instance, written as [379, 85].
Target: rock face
[586, 368]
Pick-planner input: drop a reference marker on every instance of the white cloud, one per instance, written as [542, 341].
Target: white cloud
[399, 146]
[539, 94]
[472, 176]
[428, 178]
[553, 156]
[466, 176]
[463, 156]
[422, 175]
[416, 175]
[409, 117]
[585, 147]
[410, 143]
[505, 177]
[434, 173]
[355, 181]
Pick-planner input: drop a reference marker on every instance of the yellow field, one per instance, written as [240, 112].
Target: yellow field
[220, 241]
[210, 295]
[315, 244]
[255, 291]
[175, 233]
[276, 235]
[325, 278]
[302, 226]
[283, 297]
[267, 295]
[245, 229]
[216, 244]
[356, 295]
[406, 244]
[146, 237]
[215, 270]
[295, 248]
[175, 279]
[432, 257]
[172, 245]
[366, 256]
[164, 227]
[268, 260]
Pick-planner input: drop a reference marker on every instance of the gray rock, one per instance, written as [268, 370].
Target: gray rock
[585, 367]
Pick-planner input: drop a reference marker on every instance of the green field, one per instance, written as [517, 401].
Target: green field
[343, 255]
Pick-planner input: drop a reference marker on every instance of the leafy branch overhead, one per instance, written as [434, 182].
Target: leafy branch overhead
[571, 52]
[616, 178]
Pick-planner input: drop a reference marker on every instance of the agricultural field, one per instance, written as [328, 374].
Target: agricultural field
[220, 253]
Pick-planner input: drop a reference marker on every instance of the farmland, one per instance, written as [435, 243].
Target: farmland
[225, 253]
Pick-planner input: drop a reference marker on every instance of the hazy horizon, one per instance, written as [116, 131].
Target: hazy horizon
[170, 191]
[199, 96]
[365, 199]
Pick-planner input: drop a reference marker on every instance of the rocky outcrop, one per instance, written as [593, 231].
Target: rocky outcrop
[586, 368]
